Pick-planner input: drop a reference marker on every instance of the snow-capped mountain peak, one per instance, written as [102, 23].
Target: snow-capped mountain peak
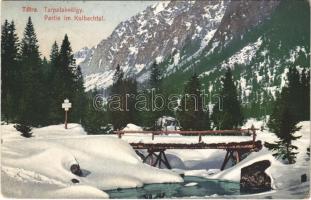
[156, 33]
[83, 55]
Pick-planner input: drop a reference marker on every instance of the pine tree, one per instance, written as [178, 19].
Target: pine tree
[33, 108]
[10, 74]
[54, 55]
[118, 75]
[55, 80]
[230, 113]
[155, 76]
[192, 115]
[5, 70]
[79, 98]
[295, 90]
[66, 83]
[299, 93]
[66, 66]
[150, 117]
[130, 89]
[4, 35]
[117, 115]
[95, 120]
[284, 124]
[305, 82]
[123, 89]
[147, 119]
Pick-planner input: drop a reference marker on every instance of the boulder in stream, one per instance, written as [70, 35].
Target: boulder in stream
[254, 179]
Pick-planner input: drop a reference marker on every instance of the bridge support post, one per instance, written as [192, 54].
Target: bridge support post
[165, 161]
[200, 138]
[238, 157]
[254, 135]
[119, 134]
[230, 154]
[160, 158]
[225, 161]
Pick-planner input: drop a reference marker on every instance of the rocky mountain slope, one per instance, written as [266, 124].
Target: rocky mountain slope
[259, 40]
[152, 35]
[165, 29]
[259, 57]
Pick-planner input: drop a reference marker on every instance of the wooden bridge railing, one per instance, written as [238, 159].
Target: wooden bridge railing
[235, 132]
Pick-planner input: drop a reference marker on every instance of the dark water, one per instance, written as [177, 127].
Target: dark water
[204, 187]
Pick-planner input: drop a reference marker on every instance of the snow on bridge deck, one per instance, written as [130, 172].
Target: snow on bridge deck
[188, 137]
[147, 138]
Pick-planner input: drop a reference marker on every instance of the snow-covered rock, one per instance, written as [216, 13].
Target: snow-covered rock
[132, 127]
[168, 123]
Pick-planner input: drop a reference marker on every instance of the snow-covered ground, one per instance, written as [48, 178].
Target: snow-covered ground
[286, 179]
[39, 167]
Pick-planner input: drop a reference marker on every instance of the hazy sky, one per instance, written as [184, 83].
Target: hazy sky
[80, 34]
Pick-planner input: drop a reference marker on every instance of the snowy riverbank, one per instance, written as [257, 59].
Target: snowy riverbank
[286, 179]
[39, 167]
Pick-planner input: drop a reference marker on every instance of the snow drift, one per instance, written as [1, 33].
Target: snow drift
[106, 163]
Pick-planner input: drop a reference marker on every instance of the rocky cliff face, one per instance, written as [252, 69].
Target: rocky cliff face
[83, 55]
[155, 33]
[240, 16]
[159, 31]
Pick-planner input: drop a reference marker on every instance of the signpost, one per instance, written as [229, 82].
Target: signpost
[66, 105]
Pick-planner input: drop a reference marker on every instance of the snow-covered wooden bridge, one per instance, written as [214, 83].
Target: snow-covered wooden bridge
[238, 144]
